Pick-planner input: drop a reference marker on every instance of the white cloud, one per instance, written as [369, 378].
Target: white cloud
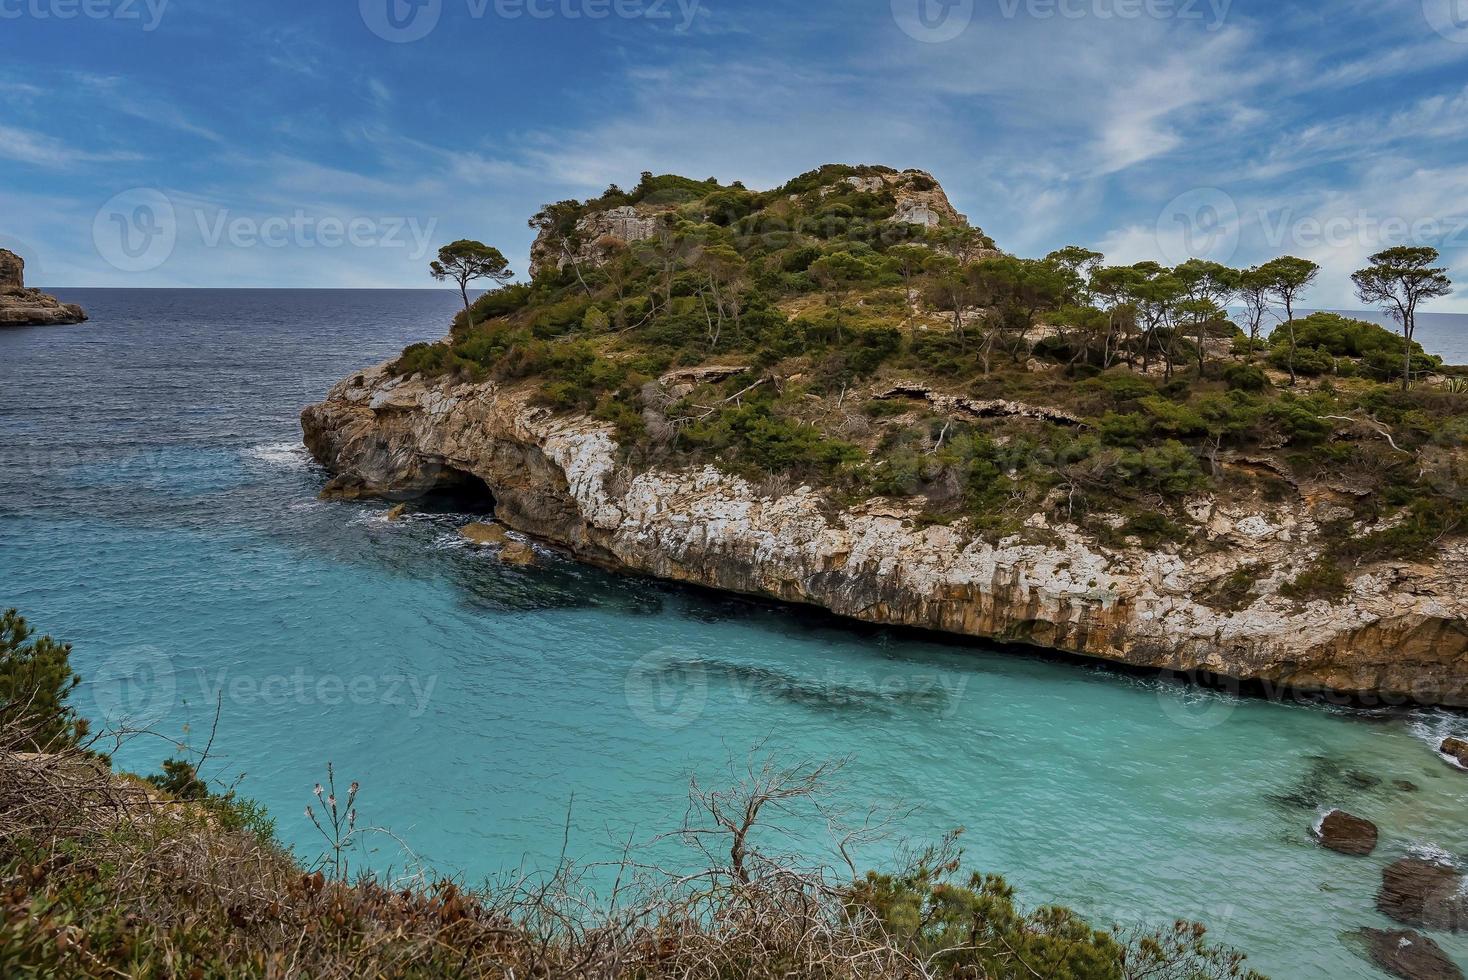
[41, 150]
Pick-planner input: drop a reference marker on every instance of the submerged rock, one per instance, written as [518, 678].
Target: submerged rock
[484, 534]
[1409, 955]
[1347, 834]
[22, 307]
[1456, 749]
[1426, 894]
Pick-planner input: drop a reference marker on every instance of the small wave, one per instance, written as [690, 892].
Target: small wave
[291, 454]
[1433, 853]
[1435, 725]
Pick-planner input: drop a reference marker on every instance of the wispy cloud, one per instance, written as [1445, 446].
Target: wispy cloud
[38, 149]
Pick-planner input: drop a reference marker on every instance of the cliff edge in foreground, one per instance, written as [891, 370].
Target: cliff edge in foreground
[20, 307]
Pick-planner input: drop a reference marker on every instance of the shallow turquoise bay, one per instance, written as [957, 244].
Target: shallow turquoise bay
[157, 511]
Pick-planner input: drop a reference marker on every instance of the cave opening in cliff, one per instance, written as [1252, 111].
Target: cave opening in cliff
[458, 492]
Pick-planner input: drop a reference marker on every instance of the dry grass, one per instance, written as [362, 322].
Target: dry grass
[105, 876]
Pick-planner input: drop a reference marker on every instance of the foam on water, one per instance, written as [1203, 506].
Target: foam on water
[286, 454]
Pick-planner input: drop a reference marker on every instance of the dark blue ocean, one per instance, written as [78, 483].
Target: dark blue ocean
[158, 511]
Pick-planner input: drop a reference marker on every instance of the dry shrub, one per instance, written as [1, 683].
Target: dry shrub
[105, 876]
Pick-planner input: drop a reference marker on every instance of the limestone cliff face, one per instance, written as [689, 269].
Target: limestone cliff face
[1400, 634]
[20, 306]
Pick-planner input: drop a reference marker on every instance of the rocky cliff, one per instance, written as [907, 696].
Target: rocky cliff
[919, 200]
[20, 306]
[1400, 633]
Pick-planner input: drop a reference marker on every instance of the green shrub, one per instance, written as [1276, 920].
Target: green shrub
[501, 302]
[1169, 468]
[1245, 377]
[1322, 580]
[36, 682]
[753, 438]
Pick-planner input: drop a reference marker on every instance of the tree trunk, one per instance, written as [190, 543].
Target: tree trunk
[468, 313]
[1407, 332]
[1290, 319]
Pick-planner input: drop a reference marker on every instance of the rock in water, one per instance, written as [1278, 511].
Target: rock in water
[517, 553]
[1409, 955]
[396, 514]
[1457, 749]
[22, 307]
[1426, 894]
[1347, 834]
[484, 534]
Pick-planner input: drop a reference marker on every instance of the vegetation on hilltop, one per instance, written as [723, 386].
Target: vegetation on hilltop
[828, 305]
[109, 876]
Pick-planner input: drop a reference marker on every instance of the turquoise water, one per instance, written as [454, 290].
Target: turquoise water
[157, 510]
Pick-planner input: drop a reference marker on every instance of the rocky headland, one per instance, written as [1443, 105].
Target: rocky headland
[1228, 592]
[1399, 633]
[21, 307]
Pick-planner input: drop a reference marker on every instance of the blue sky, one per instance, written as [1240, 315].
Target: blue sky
[290, 143]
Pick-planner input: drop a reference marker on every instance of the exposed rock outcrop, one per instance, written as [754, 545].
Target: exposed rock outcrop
[598, 233]
[1409, 955]
[22, 307]
[1400, 632]
[920, 200]
[1347, 834]
[1426, 894]
[1456, 749]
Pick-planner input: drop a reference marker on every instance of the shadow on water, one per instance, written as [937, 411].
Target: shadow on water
[1329, 780]
[831, 695]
